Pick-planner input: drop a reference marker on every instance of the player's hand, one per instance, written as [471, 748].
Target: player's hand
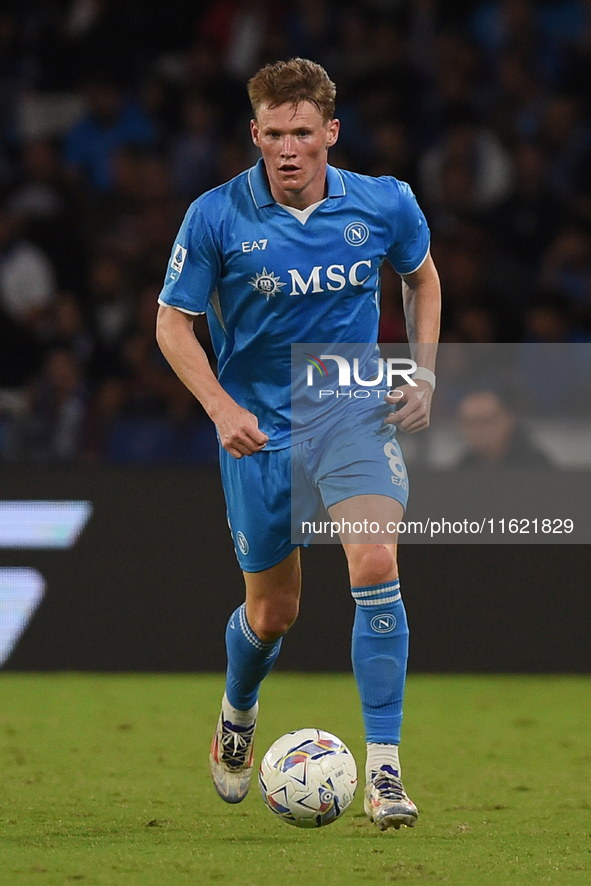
[413, 406]
[239, 432]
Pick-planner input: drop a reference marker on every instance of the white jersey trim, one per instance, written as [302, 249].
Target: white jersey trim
[420, 264]
[254, 199]
[182, 310]
[302, 215]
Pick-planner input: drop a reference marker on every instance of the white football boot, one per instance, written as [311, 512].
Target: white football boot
[231, 759]
[386, 802]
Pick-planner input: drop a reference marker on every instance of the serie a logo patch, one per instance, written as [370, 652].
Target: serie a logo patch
[178, 258]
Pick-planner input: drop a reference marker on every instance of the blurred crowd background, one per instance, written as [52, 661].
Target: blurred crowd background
[116, 114]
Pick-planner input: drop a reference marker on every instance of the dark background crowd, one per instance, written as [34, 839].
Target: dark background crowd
[116, 114]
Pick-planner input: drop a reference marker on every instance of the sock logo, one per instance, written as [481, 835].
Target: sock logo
[383, 624]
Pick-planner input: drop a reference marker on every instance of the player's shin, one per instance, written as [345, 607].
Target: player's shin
[379, 654]
[232, 748]
[249, 661]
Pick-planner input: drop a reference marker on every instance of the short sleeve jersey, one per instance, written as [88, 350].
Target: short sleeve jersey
[267, 280]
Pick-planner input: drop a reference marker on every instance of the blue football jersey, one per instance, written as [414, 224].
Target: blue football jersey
[267, 280]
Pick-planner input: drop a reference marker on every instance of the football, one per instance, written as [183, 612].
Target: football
[308, 778]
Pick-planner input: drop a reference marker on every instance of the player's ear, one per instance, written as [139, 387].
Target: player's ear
[333, 132]
[254, 131]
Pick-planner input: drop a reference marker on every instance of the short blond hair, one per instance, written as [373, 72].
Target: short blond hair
[292, 82]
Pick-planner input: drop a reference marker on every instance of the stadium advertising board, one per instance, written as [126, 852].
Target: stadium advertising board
[145, 580]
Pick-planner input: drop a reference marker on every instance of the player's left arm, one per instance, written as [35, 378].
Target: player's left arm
[421, 294]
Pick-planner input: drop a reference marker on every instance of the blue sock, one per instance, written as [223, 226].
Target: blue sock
[249, 661]
[379, 652]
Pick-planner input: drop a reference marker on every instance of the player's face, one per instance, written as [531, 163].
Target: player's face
[294, 141]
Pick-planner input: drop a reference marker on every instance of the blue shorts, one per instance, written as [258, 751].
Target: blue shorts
[269, 492]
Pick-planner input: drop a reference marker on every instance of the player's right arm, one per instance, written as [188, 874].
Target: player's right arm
[238, 429]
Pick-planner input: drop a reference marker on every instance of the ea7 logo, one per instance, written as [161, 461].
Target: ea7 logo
[254, 245]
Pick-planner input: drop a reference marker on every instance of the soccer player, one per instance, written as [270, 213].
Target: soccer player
[291, 251]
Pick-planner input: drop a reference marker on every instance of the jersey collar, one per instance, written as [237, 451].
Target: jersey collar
[261, 195]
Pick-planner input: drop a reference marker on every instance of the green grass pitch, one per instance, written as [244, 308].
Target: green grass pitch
[104, 780]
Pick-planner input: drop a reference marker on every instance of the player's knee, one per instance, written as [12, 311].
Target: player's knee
[372, 564]
[271, 623]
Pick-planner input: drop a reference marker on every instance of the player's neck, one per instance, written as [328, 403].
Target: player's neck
[313, 193]
[300, 201]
